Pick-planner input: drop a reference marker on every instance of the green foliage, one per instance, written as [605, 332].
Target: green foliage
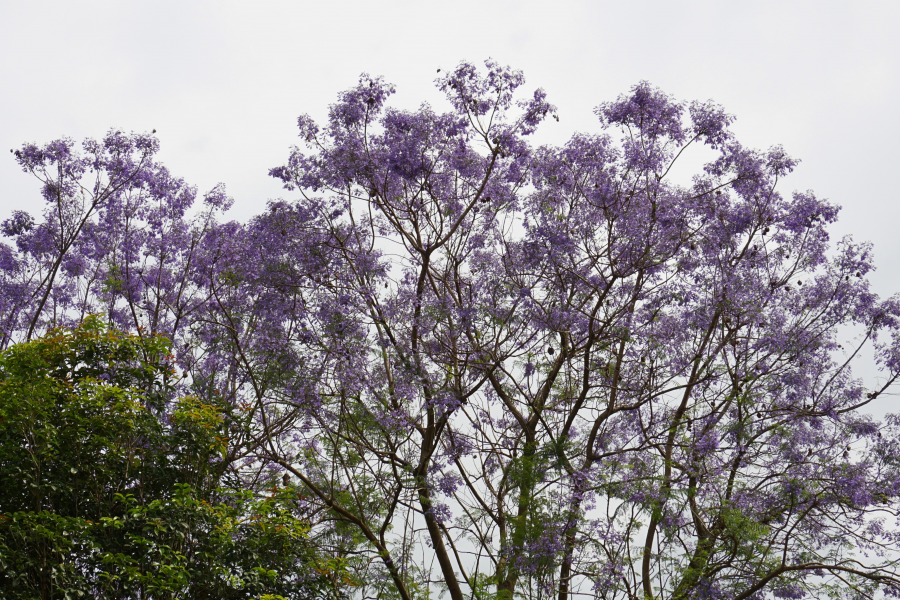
[107, 493]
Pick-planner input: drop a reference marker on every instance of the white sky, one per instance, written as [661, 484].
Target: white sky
[224, 81]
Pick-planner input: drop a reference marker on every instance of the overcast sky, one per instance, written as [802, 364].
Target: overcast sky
[223, 82]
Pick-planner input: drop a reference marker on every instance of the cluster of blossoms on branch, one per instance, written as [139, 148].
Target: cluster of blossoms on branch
[493, 368]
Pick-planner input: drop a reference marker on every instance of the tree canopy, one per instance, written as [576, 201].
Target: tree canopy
[110, 490]
[498, 370]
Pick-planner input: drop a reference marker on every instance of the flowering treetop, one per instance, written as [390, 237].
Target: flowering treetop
[554, 370]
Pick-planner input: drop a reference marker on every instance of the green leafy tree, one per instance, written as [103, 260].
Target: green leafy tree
[111, 488]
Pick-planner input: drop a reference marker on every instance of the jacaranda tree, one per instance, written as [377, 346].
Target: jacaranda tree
[497, 370]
